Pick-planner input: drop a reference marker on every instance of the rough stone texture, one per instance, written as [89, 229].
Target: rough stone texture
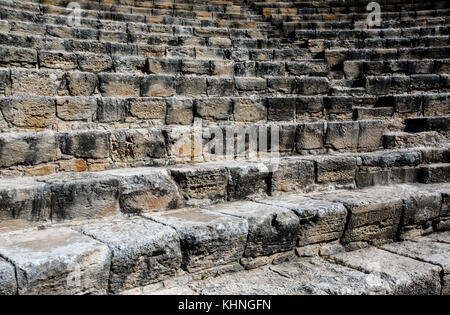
[24, 198]
[342, 135]
[94, 63]
[335, 169]
[214, 108]
[247, 180]
[137, 145]
[436, 253]
[207, 239]
[85, 144]
[28, 112]
[143, 252]
[292, 175]
[309, 136]
[146, 189]
[83, 196]
[308, 276]
[81, 83]
[8, 284]
[271, 229]
[158, 86]
[320, 220]
[249, 110]
[57, 261]
[179, 111]
[112, 84]
[373, 215]
[27, 148]
[202, 184]
[404, 275]
[147, 108]
[34, 82]
[76, 108]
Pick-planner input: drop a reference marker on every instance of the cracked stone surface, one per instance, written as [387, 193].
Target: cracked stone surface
[207, 238]
[320, 220]
[143, 251]
[271, 229]
[57, 261]
[436, 253]
[404, 275]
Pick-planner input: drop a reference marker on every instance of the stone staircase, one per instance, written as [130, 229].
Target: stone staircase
[112, 177]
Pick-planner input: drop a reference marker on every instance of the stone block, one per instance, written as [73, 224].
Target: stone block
[29, 112]
[57, 261]
[271, 228]
[130, 145]
[27, 148]
[320, 220]
[80, 196]
[117, 85]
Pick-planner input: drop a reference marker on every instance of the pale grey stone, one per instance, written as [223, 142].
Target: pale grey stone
[271, 229]
[57, 261]
[208, 239]
[404, 275]
[8, 284]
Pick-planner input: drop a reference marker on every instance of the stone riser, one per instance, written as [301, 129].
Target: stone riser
[158, 246]
[117, 49]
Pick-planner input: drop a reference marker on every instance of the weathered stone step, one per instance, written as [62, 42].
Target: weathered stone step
[318, 45]
[352, 34]
[195, 83]
[357, 69]
[337, 56]
[164, 17]
[67, 61]
[67, 195]
[37, 43]
[97, 257]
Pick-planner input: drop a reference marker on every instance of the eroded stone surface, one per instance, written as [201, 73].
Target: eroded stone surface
[306, 276]
[207, 238]
[404, 275]
[271, 229]
[374, 215]
[146, 189]
[8, 284]
[320, 220]
[57, 261]
[143, 251]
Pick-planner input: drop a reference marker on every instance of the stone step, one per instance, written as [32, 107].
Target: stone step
[289, 28]
[67, 61]
[358, 69]
[97, 256]
[25, 113]
[352, 34]
[49, 82]
[38, 43]
[68, 195]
